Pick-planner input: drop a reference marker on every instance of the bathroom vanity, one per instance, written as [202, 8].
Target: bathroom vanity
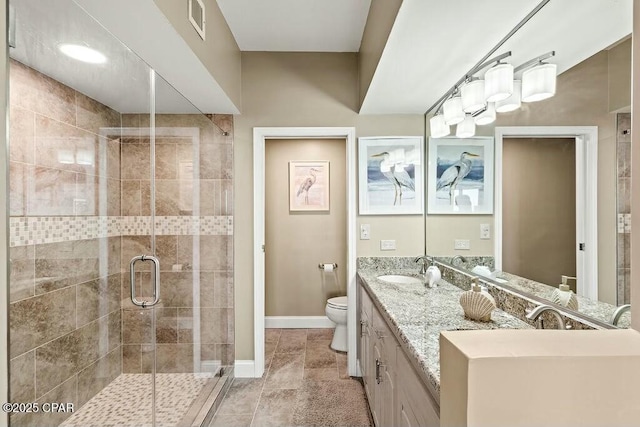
[398, 348]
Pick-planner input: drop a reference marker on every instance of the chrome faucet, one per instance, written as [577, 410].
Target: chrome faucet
[425, 261]
[618, 313]
[458, 258]
[536, 313]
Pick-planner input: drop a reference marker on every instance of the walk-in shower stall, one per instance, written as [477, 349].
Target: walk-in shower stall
[121, 284]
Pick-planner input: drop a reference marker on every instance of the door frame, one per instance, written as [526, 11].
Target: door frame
[260, 136]
[586, 138]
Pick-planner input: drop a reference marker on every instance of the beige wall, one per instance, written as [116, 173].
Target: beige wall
[305, 89]
[219, 52]
[620, 77]
[539, 208]
[382, 15]
[297, 242]
[581, 100]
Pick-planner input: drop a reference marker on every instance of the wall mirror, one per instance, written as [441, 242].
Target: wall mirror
[547, 172]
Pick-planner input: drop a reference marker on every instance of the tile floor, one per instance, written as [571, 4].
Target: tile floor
[305, 384]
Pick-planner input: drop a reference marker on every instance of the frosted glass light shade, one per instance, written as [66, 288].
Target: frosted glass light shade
[539, 82]
[439, 127]
[452, 110]
[487, 116]
[472, 94]
[466, 128]
[498, 82]
[513, 102]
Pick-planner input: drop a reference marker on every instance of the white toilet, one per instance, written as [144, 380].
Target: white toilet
[336, 311]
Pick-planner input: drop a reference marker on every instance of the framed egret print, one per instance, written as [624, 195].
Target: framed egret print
[460, 176]
[308, 186]
[390, 175]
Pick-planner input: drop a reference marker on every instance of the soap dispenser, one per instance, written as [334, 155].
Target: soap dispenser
[477, 303]
[564, 296]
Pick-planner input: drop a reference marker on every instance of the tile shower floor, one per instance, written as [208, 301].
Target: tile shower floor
[126, 401]
[305, 384]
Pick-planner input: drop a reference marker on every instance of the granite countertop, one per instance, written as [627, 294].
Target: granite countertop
[416, 315]
[597, 309]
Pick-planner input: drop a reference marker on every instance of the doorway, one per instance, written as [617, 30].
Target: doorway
[586, 225]
[302, 231]
[255, 367]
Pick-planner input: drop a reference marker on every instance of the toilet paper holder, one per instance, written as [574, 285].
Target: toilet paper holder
[321, 266]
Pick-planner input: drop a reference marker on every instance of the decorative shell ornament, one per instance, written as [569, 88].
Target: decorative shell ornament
[564, 296]
[477, 304]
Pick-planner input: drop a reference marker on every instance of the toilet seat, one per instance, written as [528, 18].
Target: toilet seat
[338, 303]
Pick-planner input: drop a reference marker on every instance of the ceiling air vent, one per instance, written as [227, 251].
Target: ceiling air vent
[197, 16]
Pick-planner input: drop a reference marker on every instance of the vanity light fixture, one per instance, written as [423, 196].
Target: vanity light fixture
[466, 128]
[498, 82]
[513, 102]
[452, 108]
[439, 128]
[82, 53]
[472, 94]
[539, 82]
[488, 115]
[498, 86]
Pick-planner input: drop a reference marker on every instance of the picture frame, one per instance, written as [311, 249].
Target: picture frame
[390, 175]
[309, 186]
[460, 176]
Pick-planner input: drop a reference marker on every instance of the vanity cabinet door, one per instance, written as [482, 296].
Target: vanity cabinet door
[386, 383]
[416, 406]
[366, 344]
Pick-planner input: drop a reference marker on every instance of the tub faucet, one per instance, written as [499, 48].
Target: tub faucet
[425, 261]
[536, 313]
[618, 313]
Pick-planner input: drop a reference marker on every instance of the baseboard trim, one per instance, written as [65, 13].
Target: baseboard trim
[244, 369]
[293, 322]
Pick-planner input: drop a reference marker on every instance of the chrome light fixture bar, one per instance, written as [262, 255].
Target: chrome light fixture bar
[482, 63]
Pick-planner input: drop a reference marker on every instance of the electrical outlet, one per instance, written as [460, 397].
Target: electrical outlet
[461, 244]
[485, 232]
[387, 245]
[365, 231]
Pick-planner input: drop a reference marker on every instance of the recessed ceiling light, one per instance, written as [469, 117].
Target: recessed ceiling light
[82, 53]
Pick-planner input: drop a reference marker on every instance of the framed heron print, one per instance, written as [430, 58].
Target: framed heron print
[390, 175]
[460, 176]
[308, 186]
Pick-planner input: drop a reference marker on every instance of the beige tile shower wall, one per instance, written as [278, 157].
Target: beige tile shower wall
[193, 186]
[65, 293]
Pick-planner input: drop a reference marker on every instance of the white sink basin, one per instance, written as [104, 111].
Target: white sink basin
[397, 278]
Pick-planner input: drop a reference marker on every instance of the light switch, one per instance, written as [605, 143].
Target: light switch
[365, 231]
[485, 232]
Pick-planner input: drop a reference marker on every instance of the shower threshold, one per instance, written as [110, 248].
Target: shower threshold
[182, 400]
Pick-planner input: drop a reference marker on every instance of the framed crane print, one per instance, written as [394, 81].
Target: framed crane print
[308, 186]
[460, 176]
[390, 175]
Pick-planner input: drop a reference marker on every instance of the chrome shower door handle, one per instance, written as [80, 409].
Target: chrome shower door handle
[156, 280]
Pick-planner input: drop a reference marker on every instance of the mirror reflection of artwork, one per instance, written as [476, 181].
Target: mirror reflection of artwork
[390, 175]
[309, 186]
[461, 176]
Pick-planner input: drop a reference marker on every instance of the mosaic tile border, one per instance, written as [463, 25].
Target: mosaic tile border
[25, 231]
